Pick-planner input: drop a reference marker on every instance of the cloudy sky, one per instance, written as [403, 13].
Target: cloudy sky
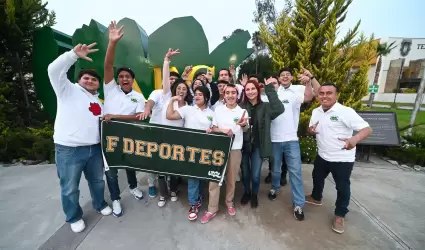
[384, 18]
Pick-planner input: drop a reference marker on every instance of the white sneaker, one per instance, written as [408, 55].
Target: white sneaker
[137, 193]
[106, 211]
[174, 196]
[116, 208]
[161, 201]
[78, 226]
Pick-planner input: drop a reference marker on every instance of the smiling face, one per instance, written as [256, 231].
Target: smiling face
[285, 78]
[197, 83]
[224, 75]
[89, 82]
[230, 95]
[125, 81]
[327, 96]
[251, 91]
[181, 90]
[172, 79]
[199, 98]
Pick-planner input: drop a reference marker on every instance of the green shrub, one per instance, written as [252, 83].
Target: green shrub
[308, 148]
[409, 91]
[26, 143]
[411, 151]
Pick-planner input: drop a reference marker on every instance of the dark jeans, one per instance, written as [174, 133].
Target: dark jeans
[162, 183]
[251, 170]
[112, 181]
[284, 168]
[341, 172]
[71, 162]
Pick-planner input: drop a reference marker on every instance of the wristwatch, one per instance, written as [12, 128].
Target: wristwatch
[312, 77]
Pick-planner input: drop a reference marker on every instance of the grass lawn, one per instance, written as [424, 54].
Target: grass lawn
[403, 117]
[397, 104]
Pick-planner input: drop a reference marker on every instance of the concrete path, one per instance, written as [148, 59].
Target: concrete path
[386, 212]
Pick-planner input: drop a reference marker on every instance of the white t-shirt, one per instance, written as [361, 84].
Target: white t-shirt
[78, 111]
[226, 118]
[338, 122]
[159, 98]
[195, 118]
[119, 103]
[216, 104]
[165, 121]
[285, 126]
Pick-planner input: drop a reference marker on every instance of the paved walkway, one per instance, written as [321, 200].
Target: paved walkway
[386, 212]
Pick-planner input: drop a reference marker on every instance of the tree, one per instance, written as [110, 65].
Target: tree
[307, 37]
[23, 132]
[381, 50]
[233, 33]
[260, 65]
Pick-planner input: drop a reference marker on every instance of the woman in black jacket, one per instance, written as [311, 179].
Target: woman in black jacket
[257, 141]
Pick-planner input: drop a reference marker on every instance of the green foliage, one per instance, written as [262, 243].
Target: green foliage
[412, 150]
[409, 91]
[23, 131]
[308, 147]
[260, 65]
[307, 37]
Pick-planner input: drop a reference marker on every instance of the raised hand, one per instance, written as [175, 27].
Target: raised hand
[82, 51]
[209, 76]
[186, 72]
[171, 53]
[306, 72]
[244, 79]
[303, 78]
[269, 80]
[115, 33]
[244, 120]
[232, 70]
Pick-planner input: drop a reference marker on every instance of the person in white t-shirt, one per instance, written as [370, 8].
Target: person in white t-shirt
[121, 102]
[221, 84]
[77, 135]
[229, 119]
[200, 117]
[156, 102]
[333, 125]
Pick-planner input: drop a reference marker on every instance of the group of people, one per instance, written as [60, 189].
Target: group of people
[262, 114]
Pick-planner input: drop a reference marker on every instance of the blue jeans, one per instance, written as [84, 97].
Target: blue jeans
[195, 189]
[70, 163]
[292, 152]
[112, 181]
[251, 170]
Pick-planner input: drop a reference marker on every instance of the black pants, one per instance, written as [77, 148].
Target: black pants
[162, 183]
[112, 181]
[283, 167]
[341, 172]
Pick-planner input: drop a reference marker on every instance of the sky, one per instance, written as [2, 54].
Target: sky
[384, 18]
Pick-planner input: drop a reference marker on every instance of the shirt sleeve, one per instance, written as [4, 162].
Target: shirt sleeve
[57, 72]
[354, 120]
[240, 90]
[214, 121]
[110, 88]
[183, 111]
[140, 105]
[154, 96]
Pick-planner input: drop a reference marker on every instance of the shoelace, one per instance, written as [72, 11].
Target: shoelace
[298, 209]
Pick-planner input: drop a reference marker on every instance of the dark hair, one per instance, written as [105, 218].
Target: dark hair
[223, 81]
[205, 92]
[172, 73]
[255, 76]
[126, 69]
[275, 77]
[189, 97]
[330, 84]
[232, 86]
[88, 72]
[285, 69]
[228, 72]
[191, 86]
[257, 86]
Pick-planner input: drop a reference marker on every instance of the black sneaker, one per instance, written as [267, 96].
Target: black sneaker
[272, 195]
[298, 213]
[245, 198]
[254, 201]
[268, 179]
[283, 181]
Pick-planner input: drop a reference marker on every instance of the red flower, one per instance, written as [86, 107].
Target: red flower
[95, 108]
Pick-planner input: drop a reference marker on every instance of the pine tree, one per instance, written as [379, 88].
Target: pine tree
[308, 38]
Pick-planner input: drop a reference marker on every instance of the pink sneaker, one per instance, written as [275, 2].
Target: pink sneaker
[207, 217]
[231, 211]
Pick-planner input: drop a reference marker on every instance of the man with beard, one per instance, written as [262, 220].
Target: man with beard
[333, 125]
[121, 102]
[76, 137]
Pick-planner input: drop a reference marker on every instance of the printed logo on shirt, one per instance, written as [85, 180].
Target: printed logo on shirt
[334, 118]
[209, 118]
[285, 101]
[95, 108]
[134, 100]
[236, 119]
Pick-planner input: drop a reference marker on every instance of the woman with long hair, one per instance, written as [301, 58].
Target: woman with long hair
[200, 117]
[180, 97]
[257, 140]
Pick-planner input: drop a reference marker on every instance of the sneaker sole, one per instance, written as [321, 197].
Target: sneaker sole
[138, 198]
[174, 200]
[205, 222]
[192, 219]
[297, 218]
[337, 231]
[118, 215]
[313, 203]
